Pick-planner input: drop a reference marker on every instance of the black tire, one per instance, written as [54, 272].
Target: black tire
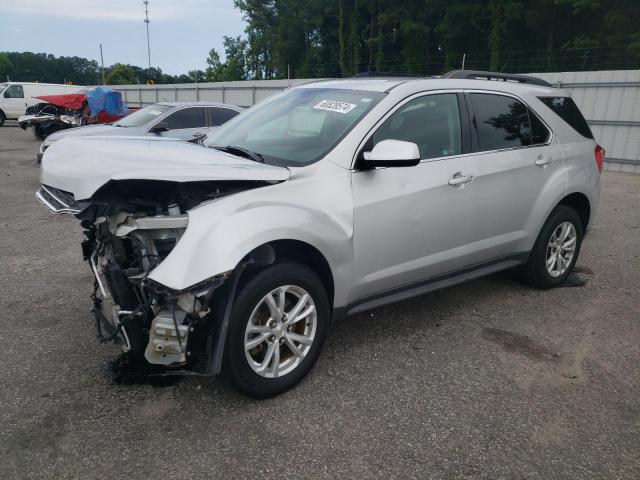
[2, 118]
[37, 133]
[235, 367]
[534, 272]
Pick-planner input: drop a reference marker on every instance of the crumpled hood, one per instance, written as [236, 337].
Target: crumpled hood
[82, 165]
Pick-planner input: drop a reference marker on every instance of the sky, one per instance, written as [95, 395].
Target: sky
[181, 31]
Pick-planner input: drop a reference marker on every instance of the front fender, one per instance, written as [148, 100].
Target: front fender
[221, 233]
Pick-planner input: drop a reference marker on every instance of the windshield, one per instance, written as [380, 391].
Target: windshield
[297, 127]
[3, 86]
[142, 116]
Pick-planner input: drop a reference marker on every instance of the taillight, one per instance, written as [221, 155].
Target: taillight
[600, 153]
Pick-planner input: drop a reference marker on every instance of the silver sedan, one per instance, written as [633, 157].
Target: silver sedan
[180, 120]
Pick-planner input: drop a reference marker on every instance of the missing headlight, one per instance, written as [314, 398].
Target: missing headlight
[164, 246]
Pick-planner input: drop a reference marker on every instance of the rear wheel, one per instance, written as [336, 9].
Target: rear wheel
[556, 249]
[278, 325]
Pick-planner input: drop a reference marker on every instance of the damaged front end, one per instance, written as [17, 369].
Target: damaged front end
[47, 118]
[131, 226]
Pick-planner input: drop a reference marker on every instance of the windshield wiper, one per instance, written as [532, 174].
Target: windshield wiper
[235, 150]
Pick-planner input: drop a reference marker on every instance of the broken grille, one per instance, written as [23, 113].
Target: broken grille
[58, 201]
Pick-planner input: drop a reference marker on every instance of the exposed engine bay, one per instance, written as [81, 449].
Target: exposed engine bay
[47, 118]
[131, 226]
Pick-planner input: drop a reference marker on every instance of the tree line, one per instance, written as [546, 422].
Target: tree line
[319, 38]
[43, 67]
[340, 38]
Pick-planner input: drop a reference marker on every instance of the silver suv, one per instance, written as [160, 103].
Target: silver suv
[234, 255]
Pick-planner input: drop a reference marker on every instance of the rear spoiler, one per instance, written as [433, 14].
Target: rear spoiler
[500, 77]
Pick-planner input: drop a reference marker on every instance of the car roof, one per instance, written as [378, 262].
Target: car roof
[368, 84]
[418, 84]
[200, 104]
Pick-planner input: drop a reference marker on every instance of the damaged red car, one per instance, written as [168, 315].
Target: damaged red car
[59, 112]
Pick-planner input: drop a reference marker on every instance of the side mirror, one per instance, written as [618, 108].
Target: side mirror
[159, 127]
[392, 153]
[196, 138]
[199, 135]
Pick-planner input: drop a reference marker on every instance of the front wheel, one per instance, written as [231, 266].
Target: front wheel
[556, 249]
[2, 118]
[37, 133]
[278, 325]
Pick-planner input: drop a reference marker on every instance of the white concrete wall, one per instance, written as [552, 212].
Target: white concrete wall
[242, 93]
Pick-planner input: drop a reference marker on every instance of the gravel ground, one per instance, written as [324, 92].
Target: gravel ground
[489, 379]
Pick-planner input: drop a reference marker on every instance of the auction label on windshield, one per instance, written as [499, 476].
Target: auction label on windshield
[335, 106]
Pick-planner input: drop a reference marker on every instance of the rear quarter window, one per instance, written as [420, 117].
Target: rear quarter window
[566, 109]
[539, 133]
[221, 115]
[186, 118]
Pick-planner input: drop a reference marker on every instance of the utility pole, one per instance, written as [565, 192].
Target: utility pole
[102, 63]
[146, 20]
[464, 57]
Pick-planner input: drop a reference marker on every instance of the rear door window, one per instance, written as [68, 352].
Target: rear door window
[186, 118]
[14, 91]
[502, 122]
[220, 115]
[566, 109]
[432, 122]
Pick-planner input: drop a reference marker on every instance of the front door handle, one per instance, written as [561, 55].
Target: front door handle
[543, 160]
[460, 178]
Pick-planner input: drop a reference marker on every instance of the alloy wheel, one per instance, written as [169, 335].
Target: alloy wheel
[280, 331]
[561, 249]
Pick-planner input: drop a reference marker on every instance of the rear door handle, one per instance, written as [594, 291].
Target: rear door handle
[543, 160]
[460, 178]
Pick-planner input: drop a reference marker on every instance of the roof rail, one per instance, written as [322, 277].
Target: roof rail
[500, 77]
[371, 74]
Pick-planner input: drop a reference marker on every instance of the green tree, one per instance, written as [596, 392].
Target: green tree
[6, 67]
[120, 74]
[197, 76]
[214, 69]
[342, 37]
[234, 67]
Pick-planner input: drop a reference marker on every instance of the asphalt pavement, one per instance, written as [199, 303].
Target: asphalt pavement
[490, 379]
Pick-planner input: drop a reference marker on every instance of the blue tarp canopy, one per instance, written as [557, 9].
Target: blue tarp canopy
[103, 99]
